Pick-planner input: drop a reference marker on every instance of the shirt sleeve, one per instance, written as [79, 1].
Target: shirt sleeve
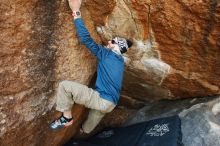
[98, 50]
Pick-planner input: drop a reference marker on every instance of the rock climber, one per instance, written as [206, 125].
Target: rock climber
[105, 96]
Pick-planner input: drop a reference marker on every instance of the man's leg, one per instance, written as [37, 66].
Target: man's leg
[64, 100]
[71, 92]
[92, 121]
[90, 98]
[64, 104]
[100, 108]
[68, 93]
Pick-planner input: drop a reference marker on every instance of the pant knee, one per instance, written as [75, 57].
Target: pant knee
[62, 95]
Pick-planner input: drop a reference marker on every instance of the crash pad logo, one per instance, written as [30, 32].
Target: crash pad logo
[158, 130]
[106, 134]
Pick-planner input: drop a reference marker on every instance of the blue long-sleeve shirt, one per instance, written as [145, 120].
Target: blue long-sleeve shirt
[110, 65]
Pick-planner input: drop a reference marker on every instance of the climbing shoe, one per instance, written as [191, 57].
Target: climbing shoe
[61, 123]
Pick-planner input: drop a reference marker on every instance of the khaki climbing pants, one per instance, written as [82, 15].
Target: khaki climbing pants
[70, 92]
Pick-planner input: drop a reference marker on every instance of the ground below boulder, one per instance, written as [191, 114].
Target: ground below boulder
[200, 118]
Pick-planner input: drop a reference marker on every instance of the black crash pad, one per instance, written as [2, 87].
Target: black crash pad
[158, 132]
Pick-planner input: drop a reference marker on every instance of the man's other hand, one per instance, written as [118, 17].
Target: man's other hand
[75, 4]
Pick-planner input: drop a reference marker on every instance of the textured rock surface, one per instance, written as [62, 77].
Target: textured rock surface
[175, 55]
[187, 34]
[200, 122]
[37, 51]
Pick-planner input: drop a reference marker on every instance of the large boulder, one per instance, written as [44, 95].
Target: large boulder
[175, 55]
[176, 52]
[38, 50]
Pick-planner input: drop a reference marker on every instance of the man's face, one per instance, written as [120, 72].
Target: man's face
[111, 44]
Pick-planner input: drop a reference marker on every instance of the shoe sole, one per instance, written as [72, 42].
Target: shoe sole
[69, 123]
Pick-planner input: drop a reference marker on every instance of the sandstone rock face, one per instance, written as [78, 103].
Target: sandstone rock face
[191, 46]
[175, 55]
[38, 49]
[177, 47]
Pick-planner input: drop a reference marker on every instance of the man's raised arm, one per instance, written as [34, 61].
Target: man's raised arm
[82, 31]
